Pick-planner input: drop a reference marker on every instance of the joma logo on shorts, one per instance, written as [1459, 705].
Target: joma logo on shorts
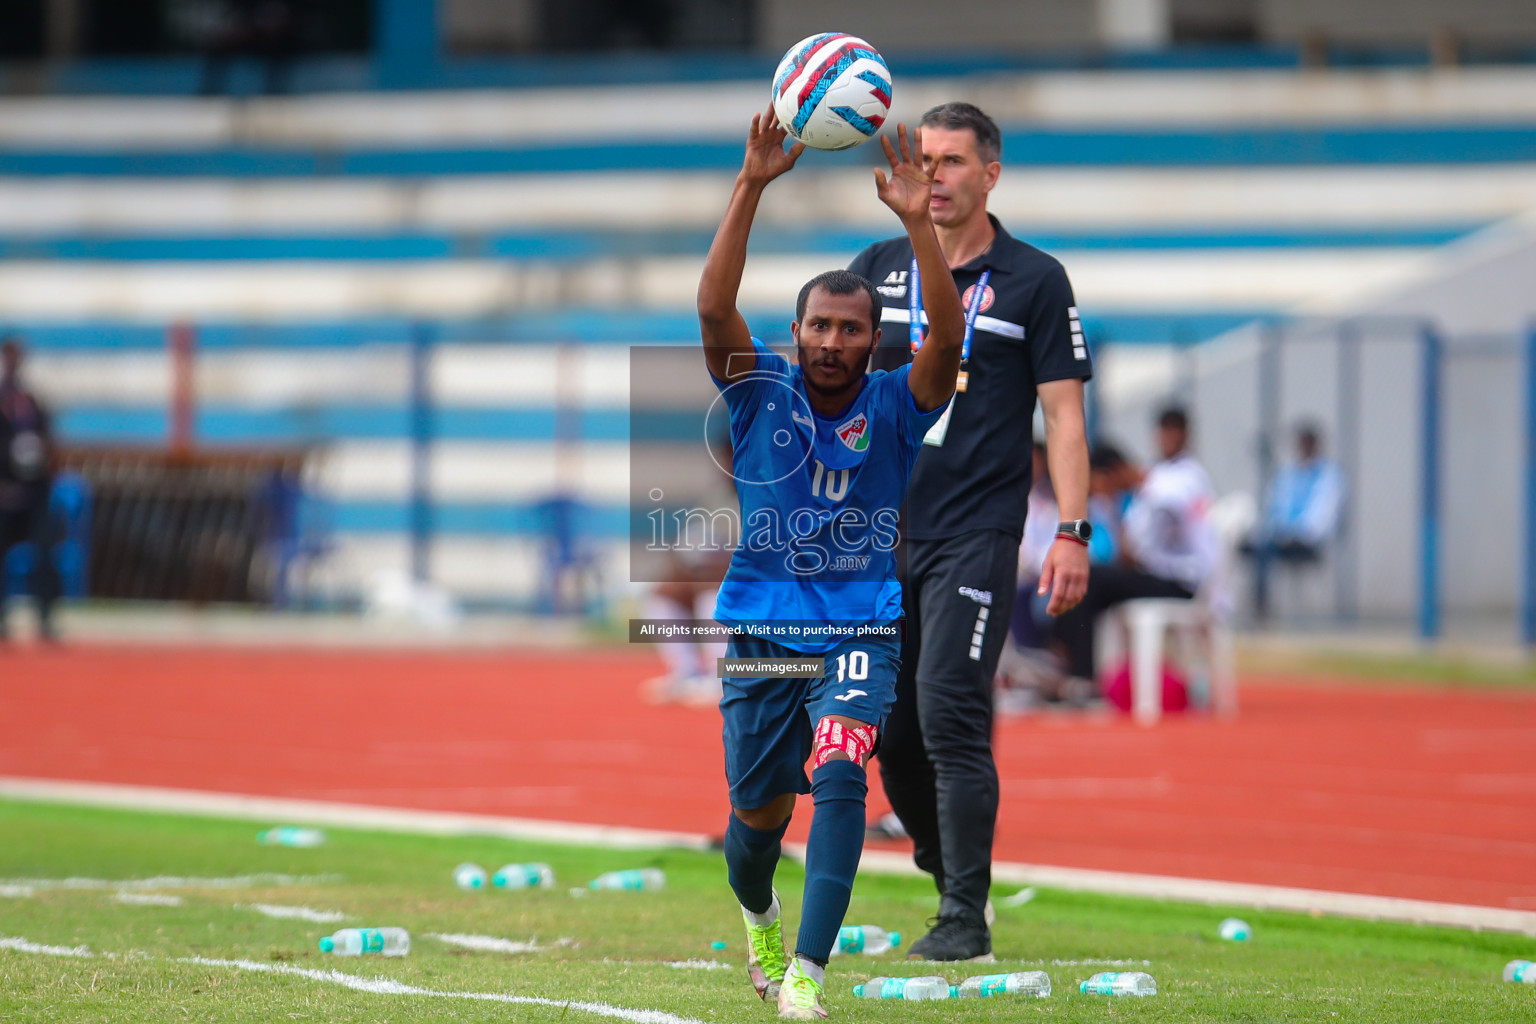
[981, 597]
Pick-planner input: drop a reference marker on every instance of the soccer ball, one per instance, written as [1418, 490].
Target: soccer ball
[832, 91]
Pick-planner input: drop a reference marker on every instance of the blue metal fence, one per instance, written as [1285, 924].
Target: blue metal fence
[1429, 508]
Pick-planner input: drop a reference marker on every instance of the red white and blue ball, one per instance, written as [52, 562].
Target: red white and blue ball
[832, 91]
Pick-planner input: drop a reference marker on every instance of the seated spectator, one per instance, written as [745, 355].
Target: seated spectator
[1032, 668]
[1169, 546]
[1039, 535]
[1112, 481]
[1301, 514]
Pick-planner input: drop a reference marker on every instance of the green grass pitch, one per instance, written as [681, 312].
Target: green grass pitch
[1296, 968]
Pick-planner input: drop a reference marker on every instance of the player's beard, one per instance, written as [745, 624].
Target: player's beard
[847, 389]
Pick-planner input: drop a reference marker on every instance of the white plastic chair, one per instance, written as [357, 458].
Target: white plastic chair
[1203, 620]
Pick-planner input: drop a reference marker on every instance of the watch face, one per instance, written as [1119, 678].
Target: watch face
[1082, 529]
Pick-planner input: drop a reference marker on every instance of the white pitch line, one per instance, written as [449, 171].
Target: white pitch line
[299, 913]
[148, 899]
[698, 965]
[1237, 894]
[1019, 898]
[320, 812]
[486, 943]
[387, 986]
[170, 882]
[1184, 890]
[21, 945]
[378, 986]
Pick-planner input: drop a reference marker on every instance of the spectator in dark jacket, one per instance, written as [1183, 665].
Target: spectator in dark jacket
[26, 479]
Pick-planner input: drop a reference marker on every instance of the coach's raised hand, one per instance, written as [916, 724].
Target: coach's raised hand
[766, 157]
[909, 187]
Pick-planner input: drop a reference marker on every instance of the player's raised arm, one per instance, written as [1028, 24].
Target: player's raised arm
[937, 363]
[724, 331]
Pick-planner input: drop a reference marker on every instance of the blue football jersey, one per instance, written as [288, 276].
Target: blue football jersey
[819, 500]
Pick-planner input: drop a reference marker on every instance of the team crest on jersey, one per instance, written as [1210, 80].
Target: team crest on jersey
[855, 433]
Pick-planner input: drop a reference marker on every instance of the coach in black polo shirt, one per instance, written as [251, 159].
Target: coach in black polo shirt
[965, 513]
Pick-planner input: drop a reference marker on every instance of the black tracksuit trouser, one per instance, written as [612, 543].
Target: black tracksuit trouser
[936, 754]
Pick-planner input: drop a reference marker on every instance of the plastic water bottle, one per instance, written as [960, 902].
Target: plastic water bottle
[1235, 929]
[469, 876]
[290, 835]
[636, 878]
[1019, 983]
[928, 987]
[367, 941]
[524, 876]
[870, 939]
[1119, 983]
[1520, 970]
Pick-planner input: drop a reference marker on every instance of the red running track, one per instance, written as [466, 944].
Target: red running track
[1385, 790]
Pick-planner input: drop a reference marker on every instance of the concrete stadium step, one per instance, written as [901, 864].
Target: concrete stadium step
[1206, 280]
[690, 110]
[566, 326]
[574, 246]
[1042, 146]
[1027, 199]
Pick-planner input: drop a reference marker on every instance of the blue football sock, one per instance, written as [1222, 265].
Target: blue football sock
[832, 855]
[750, 857]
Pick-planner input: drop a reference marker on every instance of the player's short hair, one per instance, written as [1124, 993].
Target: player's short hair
[1106, 456]
[956, 116]
[1173, 417]
[841, 282]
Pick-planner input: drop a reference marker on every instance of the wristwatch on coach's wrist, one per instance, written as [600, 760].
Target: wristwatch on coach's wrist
[1079, 530]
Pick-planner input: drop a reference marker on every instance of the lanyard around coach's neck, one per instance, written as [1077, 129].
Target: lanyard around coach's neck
[915, 309]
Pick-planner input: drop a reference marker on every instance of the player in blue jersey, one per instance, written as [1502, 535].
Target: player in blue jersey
[822, 454]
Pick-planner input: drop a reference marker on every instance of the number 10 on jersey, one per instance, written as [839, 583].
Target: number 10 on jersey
[853, 666]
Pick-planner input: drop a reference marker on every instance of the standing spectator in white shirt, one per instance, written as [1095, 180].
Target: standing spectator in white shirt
[1169, 546]
[1301, 514]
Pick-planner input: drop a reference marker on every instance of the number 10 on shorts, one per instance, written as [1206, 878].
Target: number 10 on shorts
[854, 665]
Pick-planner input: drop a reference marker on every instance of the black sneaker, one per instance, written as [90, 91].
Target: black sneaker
[954, 937]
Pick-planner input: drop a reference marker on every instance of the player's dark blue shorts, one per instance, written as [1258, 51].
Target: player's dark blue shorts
[769, 723]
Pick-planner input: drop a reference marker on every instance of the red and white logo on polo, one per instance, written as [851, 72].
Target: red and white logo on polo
[986, 298]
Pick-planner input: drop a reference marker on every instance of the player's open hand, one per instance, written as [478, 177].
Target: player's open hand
[909, 187]
[766, 157]
[1064, 575]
